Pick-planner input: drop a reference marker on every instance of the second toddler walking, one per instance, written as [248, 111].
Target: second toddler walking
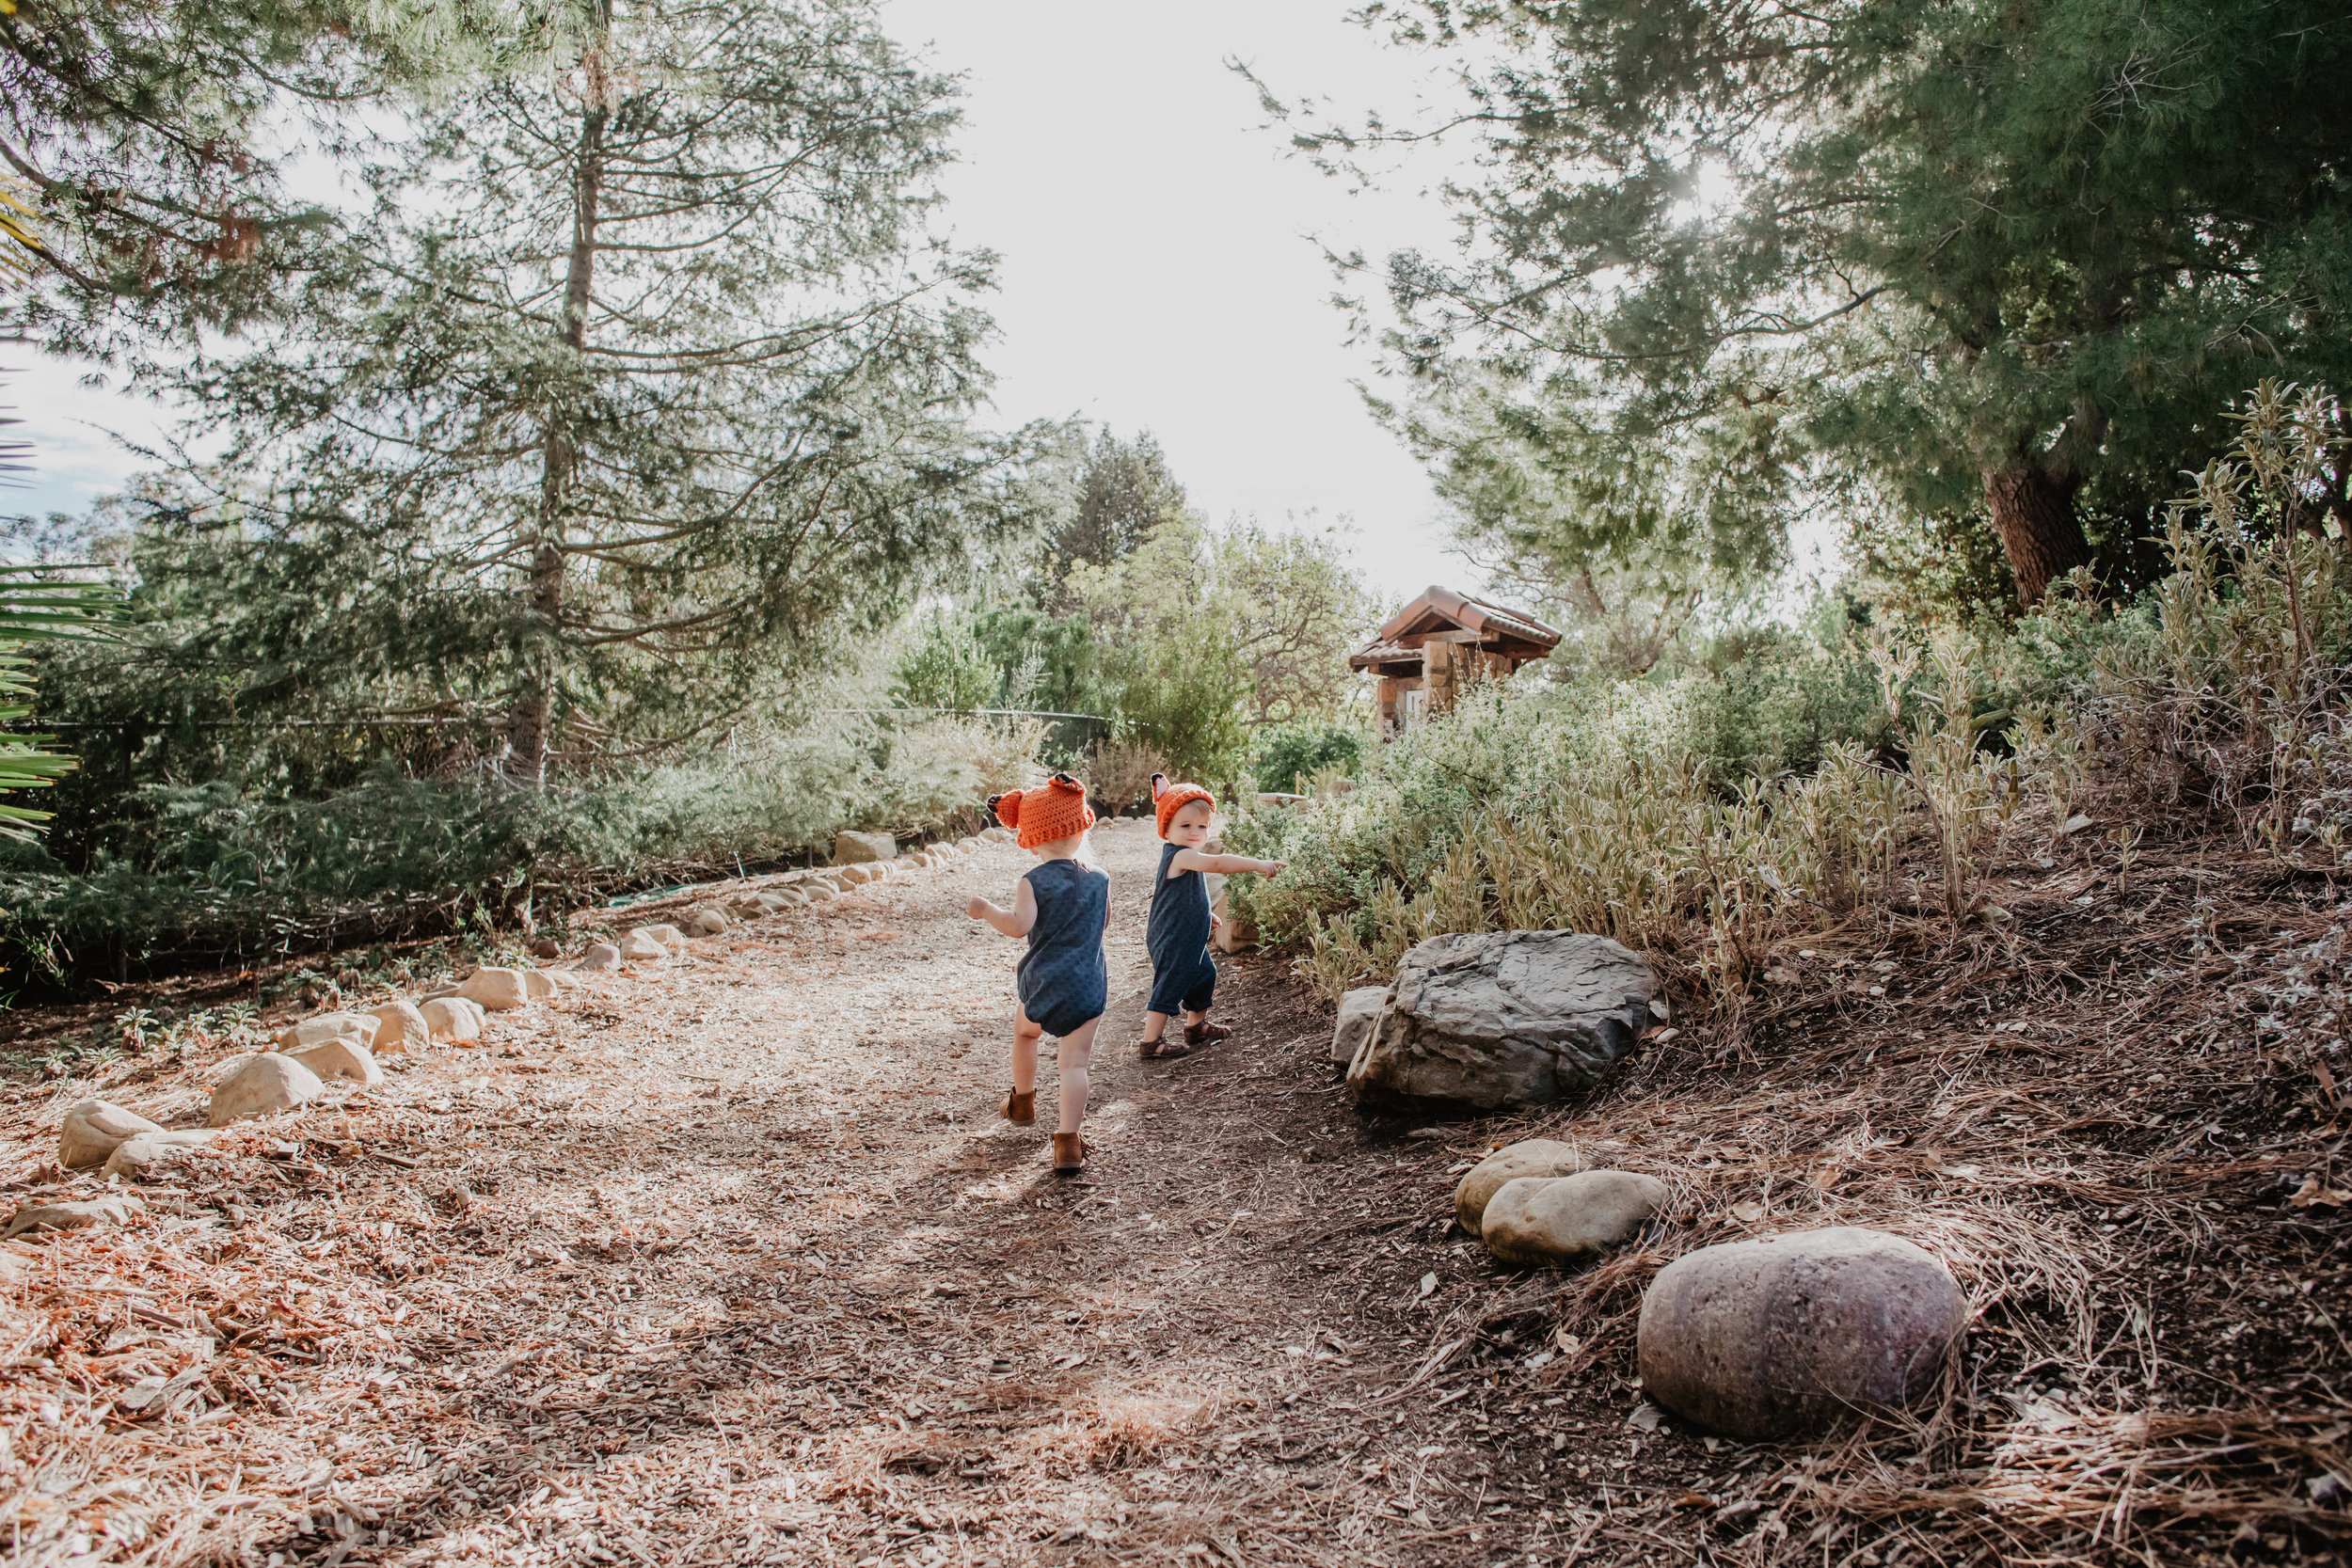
[1062, 908]
[1184, 975]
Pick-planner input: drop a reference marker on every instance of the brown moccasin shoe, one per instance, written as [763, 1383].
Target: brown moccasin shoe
[1206, 1034]
[1162, 1050]
[1070, 1153]
[1019, 1109]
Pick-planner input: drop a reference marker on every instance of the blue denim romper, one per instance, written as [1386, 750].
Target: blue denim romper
[1062, 981]
[1184, 976]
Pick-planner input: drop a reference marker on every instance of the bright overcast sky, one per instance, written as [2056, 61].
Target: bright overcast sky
[1160, 269]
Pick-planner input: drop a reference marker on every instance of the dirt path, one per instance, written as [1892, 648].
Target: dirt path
[734, 1260]
[731, 1260]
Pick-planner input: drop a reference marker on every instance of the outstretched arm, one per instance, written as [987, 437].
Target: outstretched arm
[1224, 866]
[1014, 922]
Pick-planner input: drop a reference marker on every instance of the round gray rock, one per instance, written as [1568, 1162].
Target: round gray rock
[1567, 1219]
[1528, 1156]
[1496, 1019]
[1789, 1334]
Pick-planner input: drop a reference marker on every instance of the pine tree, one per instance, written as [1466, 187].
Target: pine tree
[2003, 258]
[146, 141]
[638, 378]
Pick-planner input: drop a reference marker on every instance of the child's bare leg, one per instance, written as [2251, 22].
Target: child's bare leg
[1076, 1047]
[1154, 1025]
[1025, 1035]
[1195, 1020]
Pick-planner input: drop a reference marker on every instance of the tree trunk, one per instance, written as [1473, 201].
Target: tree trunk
[531, 721]
[2035, 514]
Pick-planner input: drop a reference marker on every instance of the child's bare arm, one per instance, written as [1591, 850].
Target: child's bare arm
[1014, 922]
[1224, 866]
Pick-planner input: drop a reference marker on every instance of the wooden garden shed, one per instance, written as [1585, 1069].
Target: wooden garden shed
[1426, 651]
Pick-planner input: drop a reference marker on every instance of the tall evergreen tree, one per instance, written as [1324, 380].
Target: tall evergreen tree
[144, 141]
[1123, 490]
[2001, 256]
[638, 376]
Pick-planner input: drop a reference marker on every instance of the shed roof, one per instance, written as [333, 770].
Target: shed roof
[1440, 610]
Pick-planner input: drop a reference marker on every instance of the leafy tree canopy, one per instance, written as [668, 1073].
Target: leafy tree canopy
[1986, 257]
[640, 378]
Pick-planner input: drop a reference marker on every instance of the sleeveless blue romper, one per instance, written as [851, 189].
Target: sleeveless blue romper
[1184, 976]
[1062, 981]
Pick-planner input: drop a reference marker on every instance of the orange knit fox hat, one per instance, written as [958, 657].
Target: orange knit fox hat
[1168, 799]
[1055, 810]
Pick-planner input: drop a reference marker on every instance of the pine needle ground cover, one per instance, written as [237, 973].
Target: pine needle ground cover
[730, 1261]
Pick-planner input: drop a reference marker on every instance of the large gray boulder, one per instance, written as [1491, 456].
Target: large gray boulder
[1498, 1019]
[1539, 1220]
[1359, 1009]
[1789, 1334]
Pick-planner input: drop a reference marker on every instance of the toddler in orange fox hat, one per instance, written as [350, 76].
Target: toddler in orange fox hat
[1184, 975]
[1062, 907]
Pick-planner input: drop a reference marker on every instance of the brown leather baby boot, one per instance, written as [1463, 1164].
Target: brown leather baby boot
[1070, 1153]
[1019, 1108]
[1204, 1033]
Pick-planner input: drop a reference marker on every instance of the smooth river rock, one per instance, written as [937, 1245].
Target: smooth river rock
[496, 990]
[268, 1083]
[1789, 1334]
[1497, 1019]
[1528, 1156]
[93, 1129]
[1539, 1220]
[858, 848]
[400, 1027]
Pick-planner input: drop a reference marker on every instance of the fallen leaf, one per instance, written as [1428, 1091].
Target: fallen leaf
[1747, 1211]
[2314, 1191]
[1428, 1283]
[1646, 1417]
[1694, 1499]
[1569, 1344]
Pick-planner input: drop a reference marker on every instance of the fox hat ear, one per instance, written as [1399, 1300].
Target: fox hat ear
[1007, 807]
[1159, 785]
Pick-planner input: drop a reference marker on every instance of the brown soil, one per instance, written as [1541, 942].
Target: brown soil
[731, 1260]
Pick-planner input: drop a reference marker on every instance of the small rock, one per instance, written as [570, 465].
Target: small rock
[818, 893]
[857, 876]
[538, 985]
[857, 849]
[601, 956]
[453, 1018]
[267, 1082]
[638, 948]
[1530, 1157]
[667, 935]
[496, 990]
[341, 1058]
[1567, 1219]
[1359, 1009]
[93, 1129]
[966, 846]
[114, 1209]
[545, 949]
[326, 1026]
[1789, 1334]
[400, 1027]
[998, 834]
[135, 1159]
[708, 922]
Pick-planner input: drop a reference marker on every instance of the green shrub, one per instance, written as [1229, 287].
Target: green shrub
[1289, 756]
[228, 867]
